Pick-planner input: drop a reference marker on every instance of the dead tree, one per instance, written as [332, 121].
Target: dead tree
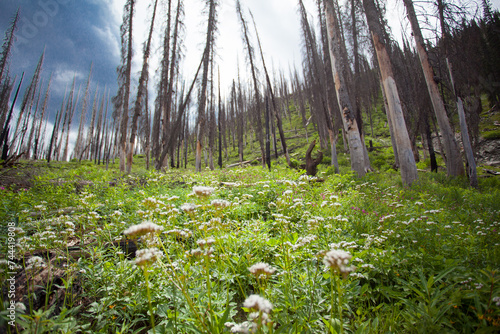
[395, 113]
[140, 92]
[454, 163]
[469, 154]
[79, 144]
[258, 102]
[312, 164]
[348, 119]
[124, 77]
[202, 97]
[273, 99]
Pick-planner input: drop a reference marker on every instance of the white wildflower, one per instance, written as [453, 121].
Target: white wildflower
[189, 207]
[35, 262]
[261, 268]
[142, 229]
[258, 303]
[220, 203]
[338, 260]
[147, 256]
[203, 191]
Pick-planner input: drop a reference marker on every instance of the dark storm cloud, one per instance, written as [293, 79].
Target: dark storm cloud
[73, 33]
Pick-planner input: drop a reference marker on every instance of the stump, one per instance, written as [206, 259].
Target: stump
[312, 164]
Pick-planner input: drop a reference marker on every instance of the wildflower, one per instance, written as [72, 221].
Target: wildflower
[20, 307]
[147, 256]
[496, 300]
[256, 316]
[220, 203]
[261, 268]
[188, 207]
[244, 328]
[338, 259]
[257, 303]
[203, 191]
[142, 229]
[35, 262]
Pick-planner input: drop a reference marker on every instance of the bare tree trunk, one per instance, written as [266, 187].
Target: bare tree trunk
[71, 112]
[97, 140]
[79, 144]
[125, 90]
[7, 46]
[39, 128]
[33, 123]
[4, 136]
[350, 125]
[258, 107]
[471, 162]
[395, 113]
[140, 93]
[177, 126]
[26, 106]
[273, 100]
[454, 163]
[268, 142]
[202, 99]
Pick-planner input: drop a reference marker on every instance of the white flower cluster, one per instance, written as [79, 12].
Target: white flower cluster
[35, 262]
[260, 317]
[220, 203]
[202, 191]
[344, 244]
[302, 241]
[180, 234]
[261, 268]
[189, 207]
[142, 229]
[338, 260]
[147, 256]
[258, 303]
[205, 243]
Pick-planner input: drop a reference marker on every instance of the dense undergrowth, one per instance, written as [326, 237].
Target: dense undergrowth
[246, 249]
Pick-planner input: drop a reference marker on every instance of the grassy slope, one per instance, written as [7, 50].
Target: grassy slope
[426, 258]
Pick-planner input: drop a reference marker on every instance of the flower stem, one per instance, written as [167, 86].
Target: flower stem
[146, 275]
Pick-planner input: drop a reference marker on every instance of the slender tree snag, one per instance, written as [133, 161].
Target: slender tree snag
[140, 93]
[126, 29]
[172, 73]
[202, 98]
[159, 105]
[312, 164]
[42, 117]
[471, 162]
[350, 125]
[258, 106]
[219, 161]
[268, 143]
[4, 136]
[273, 100]
[177, 126]
[333, 115]
[406, 158]
[454, 163]
[79, 143]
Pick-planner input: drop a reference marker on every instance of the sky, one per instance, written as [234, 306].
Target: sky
[76, 33]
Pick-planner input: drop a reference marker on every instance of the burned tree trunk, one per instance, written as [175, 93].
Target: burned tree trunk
[312, 164]
[454, 163]
[405, 155]
[140, 93]
[350, 124]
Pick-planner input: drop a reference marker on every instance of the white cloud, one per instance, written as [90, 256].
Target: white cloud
[109, 38]
[63, 78]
